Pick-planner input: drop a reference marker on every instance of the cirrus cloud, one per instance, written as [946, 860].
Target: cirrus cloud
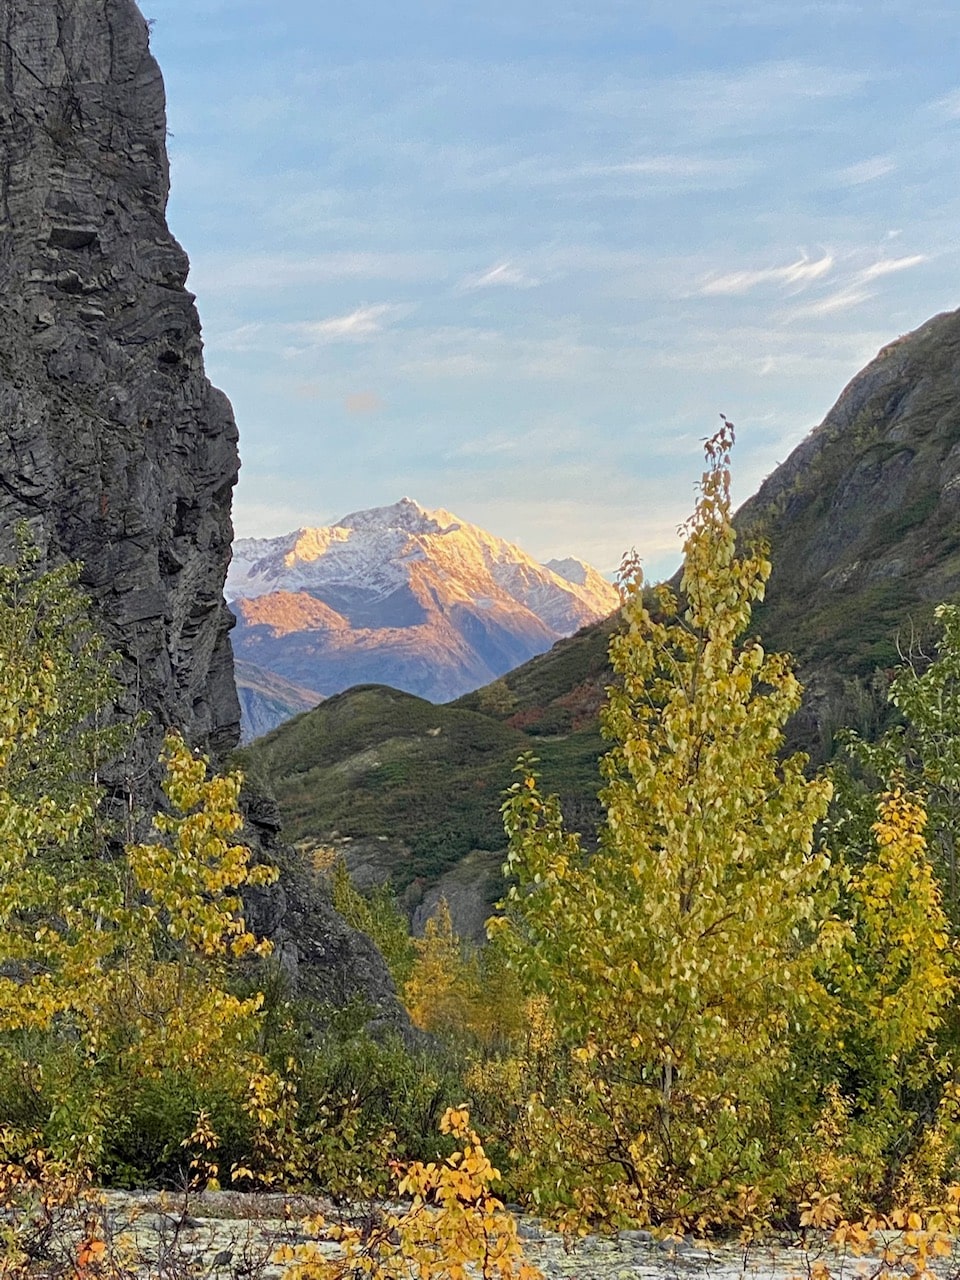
[799, 273]
[362, 322]
[502, 274]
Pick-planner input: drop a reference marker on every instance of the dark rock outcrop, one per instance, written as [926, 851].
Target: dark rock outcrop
[114, 446]
[323, 959]
[863, 521]
[872, 496]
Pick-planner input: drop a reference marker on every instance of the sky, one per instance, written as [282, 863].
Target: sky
[514, 259]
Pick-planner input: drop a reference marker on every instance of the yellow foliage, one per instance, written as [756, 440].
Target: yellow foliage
[905, 1242]
[463, 993]
[673, 957]
[191, 879]
[442, 983]
[454, 1228]
[43, 1199]
[377, 914]
[900, 971]
[887, 984]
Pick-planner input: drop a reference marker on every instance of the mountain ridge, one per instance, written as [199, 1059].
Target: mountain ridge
[863, 524]
[401, 595]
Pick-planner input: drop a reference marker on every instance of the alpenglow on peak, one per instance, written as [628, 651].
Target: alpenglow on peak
[403, 595]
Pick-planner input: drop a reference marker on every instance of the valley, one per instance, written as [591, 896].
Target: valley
[863, 524]
[633, 908]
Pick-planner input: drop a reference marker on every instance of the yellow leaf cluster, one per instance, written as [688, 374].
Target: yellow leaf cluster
[453, 1228]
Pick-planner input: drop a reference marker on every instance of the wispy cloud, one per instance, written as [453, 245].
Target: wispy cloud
[296, 336]
[855, 175]
[947, 106]
[485, 446]
[504, 274]
[667, 166]
[757, 96]
[841, 300]
[661, 173]
[887, 266]
[246, 337]
[796, 274]
[360, 323]
[453, 367]
[856, 290]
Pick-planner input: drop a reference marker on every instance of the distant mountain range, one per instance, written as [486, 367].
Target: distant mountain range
[397, 595]
[863, 524]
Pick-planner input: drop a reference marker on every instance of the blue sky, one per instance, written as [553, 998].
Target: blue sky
[514, 259]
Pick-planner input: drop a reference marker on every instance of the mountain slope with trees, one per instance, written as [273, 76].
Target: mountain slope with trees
[863, 522]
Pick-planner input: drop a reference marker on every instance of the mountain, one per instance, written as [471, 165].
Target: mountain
[266, 699]
[416, 599]
[863, 521]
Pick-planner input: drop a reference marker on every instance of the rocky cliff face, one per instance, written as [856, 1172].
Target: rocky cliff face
[876, 487]
[863, 521]
[114, 446]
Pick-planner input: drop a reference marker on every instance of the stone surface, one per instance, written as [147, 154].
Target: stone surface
[321, 956]
[226, 1236]
[872, 494]
[114, 446]
[862, 523]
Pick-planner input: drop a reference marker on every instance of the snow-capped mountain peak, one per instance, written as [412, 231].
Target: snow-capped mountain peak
[462, 605]
[375, 550]
[406, 514]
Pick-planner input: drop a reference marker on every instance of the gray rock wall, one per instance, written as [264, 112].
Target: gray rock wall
[113, 444]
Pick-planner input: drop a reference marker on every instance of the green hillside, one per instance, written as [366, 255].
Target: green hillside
[427, 780]
[375, 761]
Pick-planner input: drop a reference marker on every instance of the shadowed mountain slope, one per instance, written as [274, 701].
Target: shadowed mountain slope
[863, 522]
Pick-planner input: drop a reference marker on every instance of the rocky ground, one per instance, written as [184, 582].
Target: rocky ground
[229, 1236]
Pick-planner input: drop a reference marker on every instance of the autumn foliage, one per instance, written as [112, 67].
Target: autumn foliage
[453, 1227]
[737, 1006]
